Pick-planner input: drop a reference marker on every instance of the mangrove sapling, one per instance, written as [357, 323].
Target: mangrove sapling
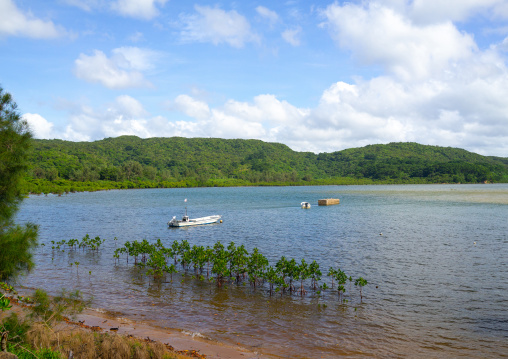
[286, 269]
[201, 258]
[77, 267]
[116, 255]
[323, 288]
[84, 242]
[145, 250]
[238, 262]
[315, 274]
[302, 273]
[158, 244]
[360, 282]
[291, 272]
[270, 276]
[256, 266]
[331, 273]
[186, 258]
[280, 285]
[72, 243]
[220, 263]
[194, 258]
[171, 269]
[97, 241]
[182, 249]
[208, 259]
[175, 247]
[230, 253]
[341, 279]
[156, 264]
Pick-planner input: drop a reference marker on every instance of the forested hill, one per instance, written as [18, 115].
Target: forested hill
[210, 161]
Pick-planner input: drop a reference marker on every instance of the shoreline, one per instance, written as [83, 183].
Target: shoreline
[180, 341]
[94, 320]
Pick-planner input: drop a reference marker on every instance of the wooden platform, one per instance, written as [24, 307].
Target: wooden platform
[328, 201]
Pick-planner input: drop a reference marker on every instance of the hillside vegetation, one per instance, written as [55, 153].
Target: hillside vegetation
[132, 162]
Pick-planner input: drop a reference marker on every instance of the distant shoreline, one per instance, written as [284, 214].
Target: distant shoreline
[59, 187]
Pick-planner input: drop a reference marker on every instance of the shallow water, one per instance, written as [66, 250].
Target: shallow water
[432, 291]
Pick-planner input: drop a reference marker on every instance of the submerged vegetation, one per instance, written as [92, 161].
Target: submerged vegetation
[232, 265]
[222, 266]
[130, 162]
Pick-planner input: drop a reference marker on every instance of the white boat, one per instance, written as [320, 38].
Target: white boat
[305, 204]
[186, 221]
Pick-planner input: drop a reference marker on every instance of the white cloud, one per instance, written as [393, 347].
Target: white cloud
[268, 14]
[13, 22]
[216, 26]
[130, 107]
[466, 112]
[500, 10]
[292, 36]
[124, 116]
[405, 50]
[122, 70]
[134, 58]
[192, 107]
[41, 128]
[142, 9]
[431, 11]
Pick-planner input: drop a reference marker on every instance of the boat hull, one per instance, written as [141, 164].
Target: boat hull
[194, 221]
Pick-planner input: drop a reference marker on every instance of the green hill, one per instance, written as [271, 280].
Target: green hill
[129, 161]
[412, 160]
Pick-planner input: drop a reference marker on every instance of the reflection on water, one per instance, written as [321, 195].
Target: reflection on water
[432, 291]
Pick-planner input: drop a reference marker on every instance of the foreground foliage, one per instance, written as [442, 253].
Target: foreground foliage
[36, 335]
[16, 241]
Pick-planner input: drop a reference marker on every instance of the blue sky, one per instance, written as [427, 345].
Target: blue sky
[317, 76]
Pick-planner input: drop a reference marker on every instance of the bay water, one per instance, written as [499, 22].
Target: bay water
[435, 258]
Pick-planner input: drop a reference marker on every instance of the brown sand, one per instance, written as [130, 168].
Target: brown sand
[178, 340]
[174, 337]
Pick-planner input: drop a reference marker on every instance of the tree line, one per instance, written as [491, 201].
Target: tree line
[132, 162]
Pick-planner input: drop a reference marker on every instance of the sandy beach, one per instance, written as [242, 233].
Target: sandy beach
[174, 337]
[93, 320]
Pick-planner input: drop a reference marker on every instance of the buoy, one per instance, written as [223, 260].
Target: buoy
[380, 234]
[221, 221]
[475, 243]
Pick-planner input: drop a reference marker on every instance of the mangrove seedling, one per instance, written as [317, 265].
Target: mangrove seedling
[360, 282]
[315, 274]
[302, 273]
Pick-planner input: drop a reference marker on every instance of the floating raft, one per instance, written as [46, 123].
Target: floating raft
[328, 201]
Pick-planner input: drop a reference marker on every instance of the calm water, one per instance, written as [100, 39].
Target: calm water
[432, 291]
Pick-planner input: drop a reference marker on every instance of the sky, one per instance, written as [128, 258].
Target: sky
[318, 76]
